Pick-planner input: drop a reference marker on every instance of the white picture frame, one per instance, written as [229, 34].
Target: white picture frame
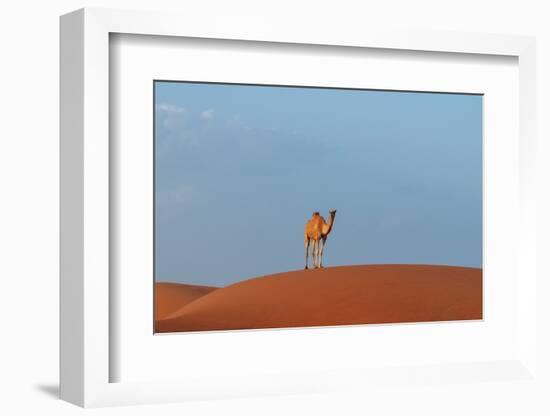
[85, 353]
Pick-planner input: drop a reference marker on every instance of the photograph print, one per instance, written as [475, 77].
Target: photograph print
[296, 206]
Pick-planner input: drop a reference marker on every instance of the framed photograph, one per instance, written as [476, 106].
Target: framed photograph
[293, 209]
[240, 170]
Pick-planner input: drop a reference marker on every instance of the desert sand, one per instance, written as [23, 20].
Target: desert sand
[343, 295]
[169, 297]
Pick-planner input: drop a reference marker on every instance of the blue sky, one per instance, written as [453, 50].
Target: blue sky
[240, 169]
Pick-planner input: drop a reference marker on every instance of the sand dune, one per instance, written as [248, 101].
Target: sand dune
[342, 295]
[169, 297]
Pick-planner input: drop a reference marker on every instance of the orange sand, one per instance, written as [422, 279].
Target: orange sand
[343, 295]
[169, 297]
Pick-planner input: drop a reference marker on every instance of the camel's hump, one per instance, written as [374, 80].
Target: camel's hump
[316, 213]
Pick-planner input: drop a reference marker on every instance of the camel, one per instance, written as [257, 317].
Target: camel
[317, 231]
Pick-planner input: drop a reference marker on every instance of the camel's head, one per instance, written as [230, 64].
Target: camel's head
[332, 212]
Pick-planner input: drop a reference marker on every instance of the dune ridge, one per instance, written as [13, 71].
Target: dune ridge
[342, 295]
[169, 297]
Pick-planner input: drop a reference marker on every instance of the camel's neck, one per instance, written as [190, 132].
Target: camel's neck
[328, 227]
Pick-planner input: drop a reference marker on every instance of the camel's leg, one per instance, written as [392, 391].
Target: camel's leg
[306, 245]
[317, 247]
[323, 243]
[314, 253]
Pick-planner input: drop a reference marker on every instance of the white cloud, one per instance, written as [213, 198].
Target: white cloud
[180, 195]
[207, 114]
[170, 108]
